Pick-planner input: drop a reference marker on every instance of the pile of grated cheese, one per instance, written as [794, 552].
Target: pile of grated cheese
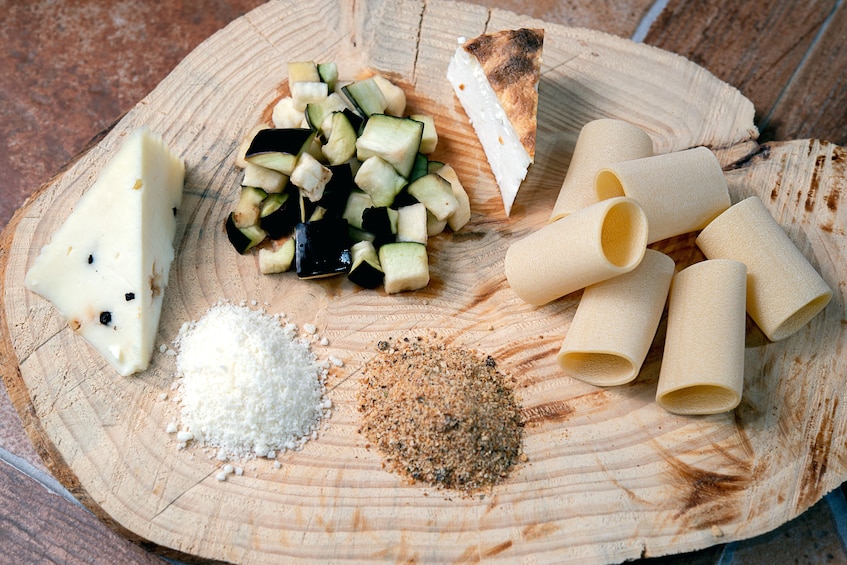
[248, 385]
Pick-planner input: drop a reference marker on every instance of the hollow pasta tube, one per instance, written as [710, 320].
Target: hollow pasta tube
[600, 143]
[703, 362]
[596, 243]
[784, 291]
[615, 323]
[680, 192]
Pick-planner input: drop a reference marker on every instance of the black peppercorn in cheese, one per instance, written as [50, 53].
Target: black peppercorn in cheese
[105, 268]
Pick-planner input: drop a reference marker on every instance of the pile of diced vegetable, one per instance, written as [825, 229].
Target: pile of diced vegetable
[342, 184]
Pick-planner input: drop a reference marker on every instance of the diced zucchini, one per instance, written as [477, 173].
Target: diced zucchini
[303, 71]
[328, 73]
[305, 93]
[243, 239]
[436, 194]
[286, 115]
[429, 140]
[365, 270]
[366, 96]
[396, 140]
[310, 177]
[382, 222]
[434, 226]
[420, 168]
[279, 214]
[462, 214]
[358, 234]
[322, 248]
[267, 179]
[277, 260]
[316, 112]
[395, 98]
[356, 204]
[278, 148]
[380, 180]
[412, 223]
[405, 265]
[434, 166]
[341, 143]
[247, 210]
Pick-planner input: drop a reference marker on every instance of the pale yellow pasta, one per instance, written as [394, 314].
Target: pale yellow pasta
[600, 143]
[784, 291]
[703, 362]
[596, 243]
[616, 322]
[680, 192]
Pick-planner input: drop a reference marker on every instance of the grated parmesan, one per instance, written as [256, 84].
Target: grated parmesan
[248, 385]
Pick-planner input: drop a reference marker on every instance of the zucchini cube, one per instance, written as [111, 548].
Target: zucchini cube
[405, 265]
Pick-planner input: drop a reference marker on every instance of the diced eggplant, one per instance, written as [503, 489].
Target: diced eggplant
[365, 270]
[397, 140]
[382, 222]
[395, 98]
[303, 71]
[243, 239]
[317, 214]
[305, 93]
[267, 179]
[328, 73]
[247, 210]
[356, 120]
[341, 142]
[277, 260]
[316, 112]
[429, 140]
[462, 214]
[286, 115]
[380, 180]
[366, 96]
[405, 265]
[412, 223]
[356, 204]
[337, 190]
[434, 226]
[240, 161]
[279, 214]
[278, 148]
[436, 193]
[310, 177]
[322, 248]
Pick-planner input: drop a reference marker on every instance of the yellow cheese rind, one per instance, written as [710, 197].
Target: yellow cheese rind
[600, 143]
[703, 361]
[596, 243]
[784, 291]
[616, 322]
[680, 192]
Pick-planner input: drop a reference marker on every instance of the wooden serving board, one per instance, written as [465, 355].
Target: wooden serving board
[609, 476]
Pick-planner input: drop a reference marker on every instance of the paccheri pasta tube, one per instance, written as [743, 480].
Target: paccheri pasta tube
[784, 291]
[703, 361]
[600, 143]
[596, 243]
[615, 323]
[680, 192]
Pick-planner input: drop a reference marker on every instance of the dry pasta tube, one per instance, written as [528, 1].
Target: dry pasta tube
[680, 192]
[594, 244]
[600, 143]
[784, 292]
[616, 322]
[703, 362]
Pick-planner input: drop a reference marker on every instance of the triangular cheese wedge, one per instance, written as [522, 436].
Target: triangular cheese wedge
[106, 267]
[495, 77]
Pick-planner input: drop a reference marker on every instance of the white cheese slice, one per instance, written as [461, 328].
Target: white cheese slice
[106, 267]
[504, 151]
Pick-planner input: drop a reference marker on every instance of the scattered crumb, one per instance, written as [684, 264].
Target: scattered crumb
[717, 532]
[310, 329]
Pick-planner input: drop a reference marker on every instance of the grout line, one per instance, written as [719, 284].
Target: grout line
[47, 481]
[766, 120]
[651, 16]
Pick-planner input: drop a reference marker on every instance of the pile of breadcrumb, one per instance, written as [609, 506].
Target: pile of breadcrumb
[441, 415]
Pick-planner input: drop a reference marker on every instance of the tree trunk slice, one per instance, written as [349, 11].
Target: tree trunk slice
[610, 476]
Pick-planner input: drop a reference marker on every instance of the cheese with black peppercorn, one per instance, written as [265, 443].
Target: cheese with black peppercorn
[106, 267]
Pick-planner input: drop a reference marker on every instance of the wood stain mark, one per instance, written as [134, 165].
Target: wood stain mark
[709, 495]
[555, 411]
[497, 549]
[814, 184]
[533, 532]
[811, 483]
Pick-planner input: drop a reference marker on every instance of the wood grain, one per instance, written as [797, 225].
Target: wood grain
[609, 477]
